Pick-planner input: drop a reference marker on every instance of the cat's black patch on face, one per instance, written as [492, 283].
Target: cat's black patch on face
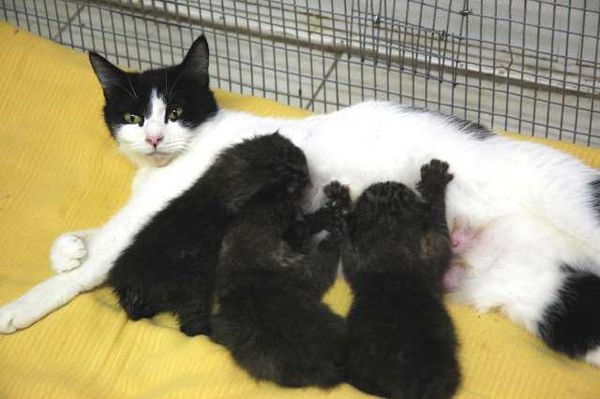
[571, 324]
[595, 185]
[183, 87]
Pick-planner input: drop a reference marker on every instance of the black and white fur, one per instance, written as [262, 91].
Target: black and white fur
[401, 341]
[170, 265]
[270, 315]
[533, 210]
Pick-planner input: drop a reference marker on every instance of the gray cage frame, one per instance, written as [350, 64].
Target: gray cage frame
[526, 66]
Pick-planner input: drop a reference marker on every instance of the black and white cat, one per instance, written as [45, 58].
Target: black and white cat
[531, 213]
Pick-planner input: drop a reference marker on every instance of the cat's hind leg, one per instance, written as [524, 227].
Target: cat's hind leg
[571, 323]
[532, 272]
[69, 250]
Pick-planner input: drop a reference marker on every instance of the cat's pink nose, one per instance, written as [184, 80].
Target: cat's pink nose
[154, 140]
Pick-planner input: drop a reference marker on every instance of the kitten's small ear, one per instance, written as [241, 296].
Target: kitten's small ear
[109, 75]
[195, 63]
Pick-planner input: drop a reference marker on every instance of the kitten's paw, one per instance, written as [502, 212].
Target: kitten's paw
[434, 177]
[338, 197]
[339, 205]
[195, 327]
[135, 304]
[67, 253]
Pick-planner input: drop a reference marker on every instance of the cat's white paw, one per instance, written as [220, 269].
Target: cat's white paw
[593, 357]
[7, 317]
[16, 316]
[67, 253]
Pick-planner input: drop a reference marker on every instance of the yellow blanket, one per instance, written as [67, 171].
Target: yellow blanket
[61, 171]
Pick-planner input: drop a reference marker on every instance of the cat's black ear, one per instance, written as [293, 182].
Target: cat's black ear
[109, 75]
[195, 63]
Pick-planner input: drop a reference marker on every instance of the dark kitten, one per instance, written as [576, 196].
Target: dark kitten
[170, 265]
[401, 340]
[270, 313]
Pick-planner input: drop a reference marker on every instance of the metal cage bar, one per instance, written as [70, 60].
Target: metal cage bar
[527, 66]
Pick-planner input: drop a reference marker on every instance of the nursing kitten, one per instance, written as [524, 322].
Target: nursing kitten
[532, 213]
[270, 315]
[170, 265]
[401, 341]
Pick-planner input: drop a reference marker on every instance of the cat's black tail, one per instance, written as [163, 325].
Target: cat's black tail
[571, 324]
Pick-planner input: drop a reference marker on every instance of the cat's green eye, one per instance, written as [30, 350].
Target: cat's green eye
[132, 118]
[175, 113]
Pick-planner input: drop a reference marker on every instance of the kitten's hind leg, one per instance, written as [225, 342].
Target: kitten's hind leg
[69, 250]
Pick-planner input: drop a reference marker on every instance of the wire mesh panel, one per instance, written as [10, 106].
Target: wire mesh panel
[528, 66]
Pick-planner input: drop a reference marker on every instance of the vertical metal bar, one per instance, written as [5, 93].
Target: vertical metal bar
[580, 53]
[274, 54]
[466, 14]
[564, 92]
[594, 81]
[509, 68]
[27, 16]
[537, 71]
[551, 69]
[523, 44]
[479, 80]
[112, 24]
[494, 65]
[417, 49]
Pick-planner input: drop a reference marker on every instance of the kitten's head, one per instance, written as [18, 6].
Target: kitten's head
[386, 210]
[153, 114]
[266, 169]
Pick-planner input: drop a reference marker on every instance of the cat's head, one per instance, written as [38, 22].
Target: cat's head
[153, 114]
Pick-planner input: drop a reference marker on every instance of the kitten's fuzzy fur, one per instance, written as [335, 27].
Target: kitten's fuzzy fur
[170, 264]
[534, 209]
[401, 341]
[270, 315]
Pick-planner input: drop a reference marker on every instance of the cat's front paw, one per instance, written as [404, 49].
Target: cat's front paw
[16, 316]
[434, 177]
[7, 316]
[67, 253]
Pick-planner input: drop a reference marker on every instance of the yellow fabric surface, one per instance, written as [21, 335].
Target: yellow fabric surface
[61, 171]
